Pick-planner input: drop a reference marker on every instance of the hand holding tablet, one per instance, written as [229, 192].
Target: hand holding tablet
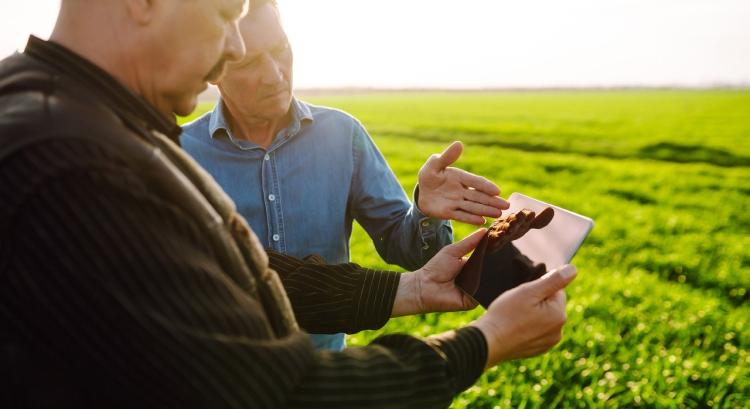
[521, 246]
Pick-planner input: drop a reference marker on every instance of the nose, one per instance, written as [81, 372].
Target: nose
[234, 46]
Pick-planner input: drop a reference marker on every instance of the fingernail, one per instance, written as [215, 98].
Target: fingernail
[567, 271]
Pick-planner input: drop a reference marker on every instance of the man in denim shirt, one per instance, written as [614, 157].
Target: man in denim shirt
[300, 174]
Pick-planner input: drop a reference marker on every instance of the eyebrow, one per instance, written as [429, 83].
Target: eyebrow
[249, 58]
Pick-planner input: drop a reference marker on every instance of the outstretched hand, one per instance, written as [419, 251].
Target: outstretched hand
[432, 288]
[447, 193]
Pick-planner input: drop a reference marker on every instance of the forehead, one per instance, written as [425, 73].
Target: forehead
[261, 28]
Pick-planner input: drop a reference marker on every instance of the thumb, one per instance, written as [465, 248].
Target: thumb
[552, 282]
[449, 155]
[469, 243]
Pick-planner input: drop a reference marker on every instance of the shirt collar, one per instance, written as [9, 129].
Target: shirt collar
[301, 114]
[302, 111]
[117, 96]
[217, 121]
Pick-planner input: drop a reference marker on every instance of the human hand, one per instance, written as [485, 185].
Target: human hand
[528, 319]
[432, 288]
[446, 192]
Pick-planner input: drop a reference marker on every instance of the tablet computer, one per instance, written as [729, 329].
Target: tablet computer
[487, 274]
[558, 242]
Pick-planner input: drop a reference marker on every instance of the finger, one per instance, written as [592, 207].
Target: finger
[469, 243]
[484, 198]
[479, 209]
[542, 219]
[469, 303]
[542, 344]
[552, 282]
[558, 297]
[465, 217]
[557, 302]
[561, 298]
[547, 340]
[479, 183]
[440, 161]
[552, 338]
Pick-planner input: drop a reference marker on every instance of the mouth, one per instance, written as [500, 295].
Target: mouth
[276, 93]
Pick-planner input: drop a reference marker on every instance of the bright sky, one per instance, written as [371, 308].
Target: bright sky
[491, 43]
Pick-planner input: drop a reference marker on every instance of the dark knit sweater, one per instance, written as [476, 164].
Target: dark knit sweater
[114, 294]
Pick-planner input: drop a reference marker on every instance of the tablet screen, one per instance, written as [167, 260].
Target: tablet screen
[557, 243]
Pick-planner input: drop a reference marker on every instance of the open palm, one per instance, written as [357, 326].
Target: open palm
[451, 193]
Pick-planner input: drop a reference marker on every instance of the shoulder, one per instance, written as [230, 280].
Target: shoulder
[341, 127]
[49, 128]
[324, 116]
[37, 101]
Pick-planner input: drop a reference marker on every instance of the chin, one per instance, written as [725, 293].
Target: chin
[283, 107]
[283, 104]
[278, 112]
[186, 107]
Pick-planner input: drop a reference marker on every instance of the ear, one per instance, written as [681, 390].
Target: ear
[141, 11]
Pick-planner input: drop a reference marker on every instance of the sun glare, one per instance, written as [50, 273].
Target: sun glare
[492, 43]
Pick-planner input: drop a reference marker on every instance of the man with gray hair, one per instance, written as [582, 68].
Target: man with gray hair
[301, 174]
[128, 280]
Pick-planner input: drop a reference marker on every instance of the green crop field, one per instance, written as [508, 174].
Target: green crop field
[660, 313]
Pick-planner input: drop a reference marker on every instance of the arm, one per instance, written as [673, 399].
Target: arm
[128, 297]
[402, 234]
[337, 298]
[522, 322]
[350, 298]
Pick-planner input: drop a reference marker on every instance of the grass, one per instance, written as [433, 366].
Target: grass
[659, 316]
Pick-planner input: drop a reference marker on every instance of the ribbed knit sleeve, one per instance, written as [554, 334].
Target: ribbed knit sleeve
[336, 298]
[395, 371]
[112, 294]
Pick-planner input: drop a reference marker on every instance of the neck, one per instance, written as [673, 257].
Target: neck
[246, 126]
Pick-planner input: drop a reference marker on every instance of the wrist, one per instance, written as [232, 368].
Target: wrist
[408, 296]
[490, 332]
[415, 196]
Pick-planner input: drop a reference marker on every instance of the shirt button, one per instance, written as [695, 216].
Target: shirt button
[425, 223]
[271, 197]
[275, 237]
[267, 157]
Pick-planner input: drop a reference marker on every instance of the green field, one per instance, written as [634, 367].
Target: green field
[660, 313]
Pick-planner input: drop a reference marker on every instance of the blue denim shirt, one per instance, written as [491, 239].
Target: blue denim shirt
[301, 194]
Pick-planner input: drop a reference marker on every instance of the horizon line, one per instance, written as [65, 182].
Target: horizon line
[212, 92]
